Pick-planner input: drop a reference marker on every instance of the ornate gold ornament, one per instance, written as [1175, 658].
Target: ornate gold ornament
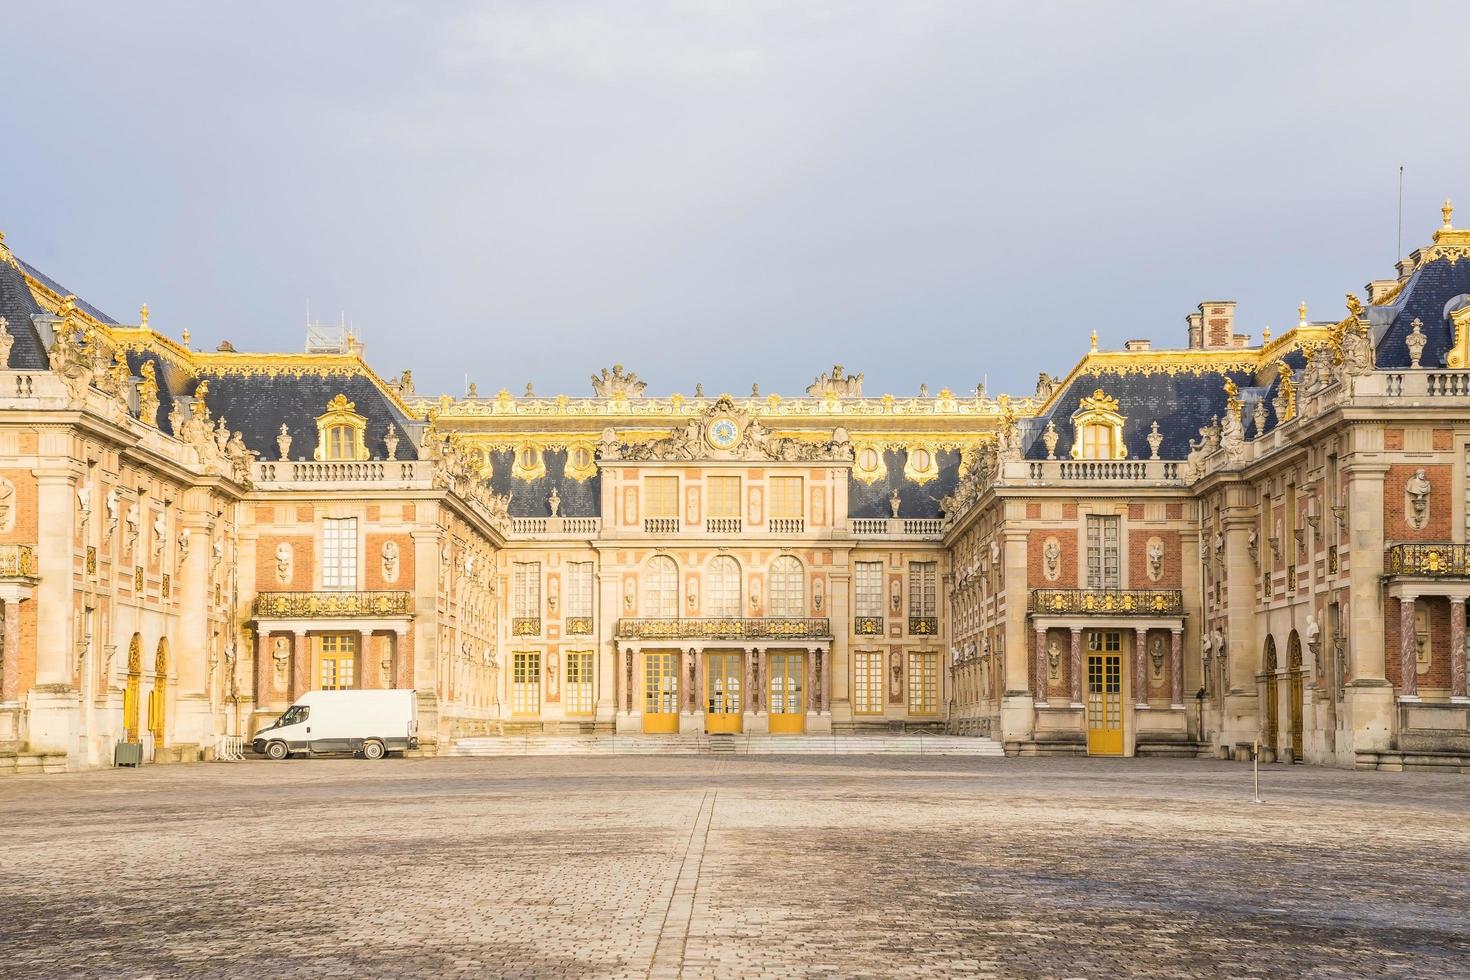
[920, 464]
[1097, 427]
[1459, 354]
[341, 432]
[868, 464]
[1288, 393]
[530, 463]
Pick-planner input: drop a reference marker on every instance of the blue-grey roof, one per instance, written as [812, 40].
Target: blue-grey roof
[1424, 297]
[1181, 403]
[61, 290]
[528, 498]
[17, 306]
[915, 500]
[258, 404]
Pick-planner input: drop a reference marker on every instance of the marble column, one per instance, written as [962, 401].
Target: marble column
[758, 689]
[10, 679]
[1176, 668]
[748, 699]
[368, 672]
[1140, 667]
[300, 664]
[1075, 666]
[691, 701]
[1408, 649]
[1039, 682]
[403, 664]
[1457, 647]
[264, 668]
[701, 681]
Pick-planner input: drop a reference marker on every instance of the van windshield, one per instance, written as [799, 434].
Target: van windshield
[295, 713]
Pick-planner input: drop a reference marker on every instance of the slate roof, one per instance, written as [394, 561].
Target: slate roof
[528, 497]
[871, 500]
[1181, 403]
[1424, 297]
[257, 405]
[17, 306]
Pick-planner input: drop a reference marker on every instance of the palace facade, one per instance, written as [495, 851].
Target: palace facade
[1174, 551]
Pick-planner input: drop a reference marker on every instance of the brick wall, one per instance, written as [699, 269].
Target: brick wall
[1441, 503]
[1439, 642]
[302, 563]
[1171, 573]
[1036, 559]
[373, 562]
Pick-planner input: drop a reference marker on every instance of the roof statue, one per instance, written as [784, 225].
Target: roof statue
[837, 385]
[616, 384]
[726, 431]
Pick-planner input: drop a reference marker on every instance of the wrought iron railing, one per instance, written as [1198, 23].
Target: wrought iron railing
[726, 628]
[18, 561]
[1438, 559]
[579, 625]
[868, 626]
[1107, 602]
[525, 626]
[331, 605]
[923, 625]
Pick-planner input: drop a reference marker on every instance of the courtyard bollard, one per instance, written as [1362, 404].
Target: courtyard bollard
[1256, 767]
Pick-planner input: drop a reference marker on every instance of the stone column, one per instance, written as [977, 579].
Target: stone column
[1039, 681]
[1140, 667]
[368, 671]
[691, 701]
[747, 684]
[1457, 647]
[758, 687]
[264, 668]
[1176, 668]
[701, 679]
[812, 695]
[1075, 666]
[300, 664]
[10, 679]
[403, 665]
[1408, 649]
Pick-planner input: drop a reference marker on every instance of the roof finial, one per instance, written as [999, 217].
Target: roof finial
[143, 317]
[1448, 211]
[1094, 340]
[1266, 334]
[186, 336]
[1301, 314]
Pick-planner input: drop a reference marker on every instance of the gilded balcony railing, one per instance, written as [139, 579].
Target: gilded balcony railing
[579, 625]
[1436, 559]
[1107, 602]
[332, 605]
[525, 626]
[725, 628]
[923, 625]
[868, 625]
[17, 561]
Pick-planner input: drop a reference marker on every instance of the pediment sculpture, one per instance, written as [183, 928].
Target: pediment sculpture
[724, 431]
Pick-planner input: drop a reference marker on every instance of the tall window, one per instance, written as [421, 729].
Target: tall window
[922, 595]
[788, 589]
[722, 586]
[1102, 552]
[870, 588]
[1290, 541]
[923, 683]
[339, 554]
[661, 496]
[724, 496]
[526, 589]
[525, 695]
[338, 661]
[579, 682]
[579, 583]
[867, 687]
[786, 497]
[1097, 442]
[341, 443]
[661, 588]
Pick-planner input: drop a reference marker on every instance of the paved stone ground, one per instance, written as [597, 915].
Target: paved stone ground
[734, 867]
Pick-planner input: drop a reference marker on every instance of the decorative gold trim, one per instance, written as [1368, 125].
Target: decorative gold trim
[532, 469]
[1459, 354]
[1099, 410]
[915, 470]
[340, 413]
[868, 474]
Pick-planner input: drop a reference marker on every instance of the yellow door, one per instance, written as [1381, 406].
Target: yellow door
[1104, 704]
[661, 693]
[1273, 709]
[133, 691]
[788, 705]
[722, 693]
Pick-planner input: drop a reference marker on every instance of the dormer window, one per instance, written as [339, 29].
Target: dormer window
[1099, 429]
[340, 432]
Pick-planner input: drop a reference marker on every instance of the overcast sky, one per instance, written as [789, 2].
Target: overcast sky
[724, 191]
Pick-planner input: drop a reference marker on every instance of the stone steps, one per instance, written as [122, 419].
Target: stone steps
[511, 745]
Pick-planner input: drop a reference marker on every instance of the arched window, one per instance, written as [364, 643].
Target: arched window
[661, 588]
[788, 589]
[1099, 429]
[722, 586]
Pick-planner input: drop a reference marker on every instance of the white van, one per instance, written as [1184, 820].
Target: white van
[366, 723]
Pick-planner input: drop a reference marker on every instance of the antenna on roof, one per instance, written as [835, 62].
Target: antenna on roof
[1399, 248]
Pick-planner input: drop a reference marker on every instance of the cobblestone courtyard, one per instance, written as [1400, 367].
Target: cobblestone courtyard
[735, 867]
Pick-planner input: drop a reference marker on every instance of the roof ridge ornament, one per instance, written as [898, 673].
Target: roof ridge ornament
[1448, 210]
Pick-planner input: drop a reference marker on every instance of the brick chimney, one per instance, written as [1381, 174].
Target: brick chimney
[1213, 327]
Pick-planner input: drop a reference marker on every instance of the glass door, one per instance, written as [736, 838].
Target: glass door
[788, 704]
[1104, 704]
[722, 693]
[661, 693]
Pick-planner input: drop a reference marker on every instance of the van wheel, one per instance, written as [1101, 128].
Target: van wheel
[277, 751]
[372, 750]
